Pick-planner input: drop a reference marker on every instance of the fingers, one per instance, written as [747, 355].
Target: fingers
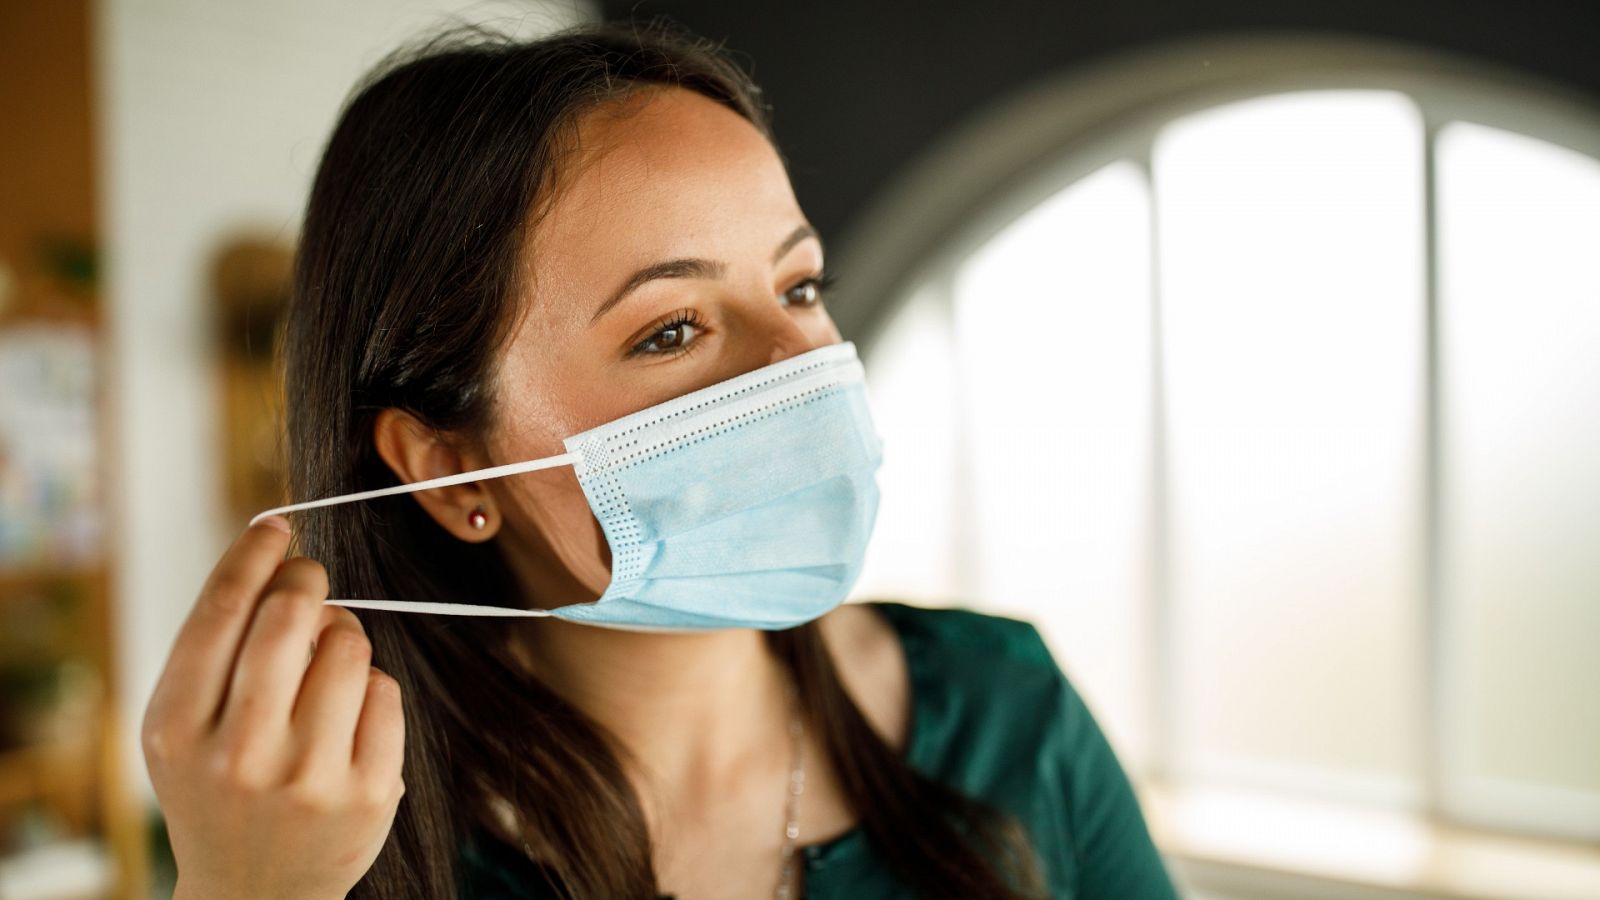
[335, 687]
[272, 659]
[270, 775]
[381, 732]
[194, 682]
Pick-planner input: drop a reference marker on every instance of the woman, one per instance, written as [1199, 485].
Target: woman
[529, 250]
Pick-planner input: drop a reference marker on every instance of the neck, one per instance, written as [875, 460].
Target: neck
[695, 714]
[689, 709]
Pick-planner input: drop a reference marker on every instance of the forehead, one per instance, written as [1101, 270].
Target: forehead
[662, 173]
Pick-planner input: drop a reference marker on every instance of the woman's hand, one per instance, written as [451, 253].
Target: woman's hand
[278, 772]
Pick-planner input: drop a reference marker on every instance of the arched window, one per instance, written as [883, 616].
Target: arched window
[1273, 395]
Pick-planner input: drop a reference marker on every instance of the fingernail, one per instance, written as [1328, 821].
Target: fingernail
[278, 522]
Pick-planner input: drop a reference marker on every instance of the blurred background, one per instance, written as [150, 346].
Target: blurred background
[1252, 349]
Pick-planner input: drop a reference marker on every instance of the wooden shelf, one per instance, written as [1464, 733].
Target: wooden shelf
[50, 241]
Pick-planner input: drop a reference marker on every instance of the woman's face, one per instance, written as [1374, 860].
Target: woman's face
[672, 256]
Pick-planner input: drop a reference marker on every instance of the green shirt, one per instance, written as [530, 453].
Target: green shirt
[993, 716]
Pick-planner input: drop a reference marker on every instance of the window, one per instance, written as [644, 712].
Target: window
[1280, 419]
[1519, 336]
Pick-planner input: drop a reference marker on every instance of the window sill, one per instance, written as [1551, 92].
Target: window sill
[1227, 837]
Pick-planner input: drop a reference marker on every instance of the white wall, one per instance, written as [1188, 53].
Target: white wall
[212, 116]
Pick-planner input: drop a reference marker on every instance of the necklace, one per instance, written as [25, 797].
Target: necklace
[797, 786]
[791, 809]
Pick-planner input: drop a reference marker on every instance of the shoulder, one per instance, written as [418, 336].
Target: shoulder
[974, 659]
[991, 711]
[890, 655]
[996, 717]
[959, 630]
[963, 687]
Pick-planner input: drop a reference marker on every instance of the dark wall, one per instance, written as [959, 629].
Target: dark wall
[859, 88]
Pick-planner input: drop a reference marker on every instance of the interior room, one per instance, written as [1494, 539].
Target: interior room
[1246, 351]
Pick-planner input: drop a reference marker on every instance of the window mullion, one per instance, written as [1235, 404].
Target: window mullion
[1435, 674]
[1162, 691]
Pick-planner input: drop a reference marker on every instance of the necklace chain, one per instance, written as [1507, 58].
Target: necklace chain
[791, 810]
[797, 786]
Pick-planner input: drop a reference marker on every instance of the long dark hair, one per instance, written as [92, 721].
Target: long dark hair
[405, 285]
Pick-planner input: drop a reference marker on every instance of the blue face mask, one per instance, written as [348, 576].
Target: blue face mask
[746, 504]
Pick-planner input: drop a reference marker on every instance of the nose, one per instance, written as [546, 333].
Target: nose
[787, 338]
[792, 343]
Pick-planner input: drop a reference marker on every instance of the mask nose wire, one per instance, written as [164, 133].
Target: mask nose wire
[517, 468]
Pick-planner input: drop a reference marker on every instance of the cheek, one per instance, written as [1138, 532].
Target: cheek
[544, 500]
[530, 422]
[548, 520]
[544, 497]
[821, 330]
[549, 501]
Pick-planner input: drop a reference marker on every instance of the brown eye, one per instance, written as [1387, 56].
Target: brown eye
[808, 292]
[671, 336]
[803, 294]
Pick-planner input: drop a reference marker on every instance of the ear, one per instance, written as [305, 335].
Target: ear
[416, 452]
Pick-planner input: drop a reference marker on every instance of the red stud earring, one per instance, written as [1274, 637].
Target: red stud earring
[478, 519]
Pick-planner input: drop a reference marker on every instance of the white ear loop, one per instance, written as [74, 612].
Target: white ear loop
[532, 465]
[439, 609]
[423, 606]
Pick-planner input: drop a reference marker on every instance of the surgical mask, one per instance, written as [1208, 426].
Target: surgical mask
[745, 504]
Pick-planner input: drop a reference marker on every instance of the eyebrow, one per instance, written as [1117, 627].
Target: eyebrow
[694, 267]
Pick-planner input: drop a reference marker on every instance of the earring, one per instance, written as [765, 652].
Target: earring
[478, 519]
